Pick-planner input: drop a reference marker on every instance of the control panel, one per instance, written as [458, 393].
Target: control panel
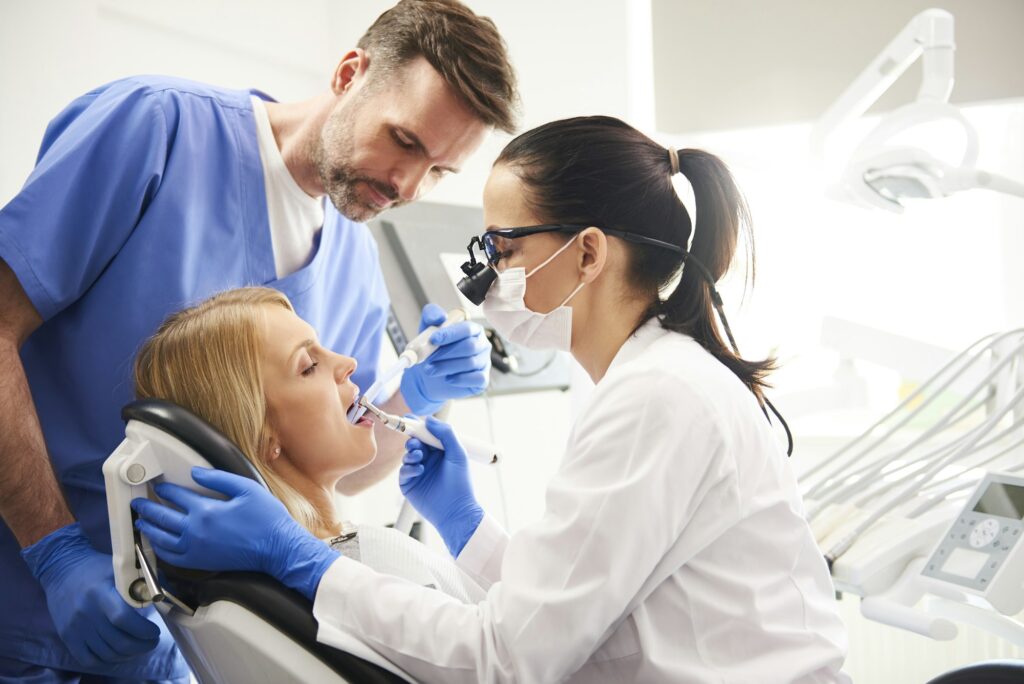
[982, 552]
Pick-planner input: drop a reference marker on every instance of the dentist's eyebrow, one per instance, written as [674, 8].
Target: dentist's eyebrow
[422, 148]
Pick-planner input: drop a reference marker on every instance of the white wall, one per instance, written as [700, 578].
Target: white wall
[51, 52]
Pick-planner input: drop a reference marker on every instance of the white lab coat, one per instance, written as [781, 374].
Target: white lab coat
[673, 548]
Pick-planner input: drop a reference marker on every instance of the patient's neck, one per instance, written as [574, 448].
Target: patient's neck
[318, 491]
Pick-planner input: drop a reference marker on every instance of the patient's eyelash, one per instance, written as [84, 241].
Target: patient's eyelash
[311, 369]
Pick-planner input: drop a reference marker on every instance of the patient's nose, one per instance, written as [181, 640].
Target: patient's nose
[344, 367]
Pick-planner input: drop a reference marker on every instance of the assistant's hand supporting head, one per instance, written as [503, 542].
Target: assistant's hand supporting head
[250, 531]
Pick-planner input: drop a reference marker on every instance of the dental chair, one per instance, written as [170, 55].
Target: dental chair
[231, 627]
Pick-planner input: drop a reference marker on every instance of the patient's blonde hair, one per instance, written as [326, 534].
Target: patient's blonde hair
[206, 358]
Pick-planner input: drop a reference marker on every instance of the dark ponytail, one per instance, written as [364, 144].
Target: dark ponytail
[600, 171]
[722, 215]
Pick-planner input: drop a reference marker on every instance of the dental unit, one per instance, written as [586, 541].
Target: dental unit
[922, 514]
[415, 352]
[480, 452]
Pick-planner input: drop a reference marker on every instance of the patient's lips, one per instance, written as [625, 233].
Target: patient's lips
[364, 421]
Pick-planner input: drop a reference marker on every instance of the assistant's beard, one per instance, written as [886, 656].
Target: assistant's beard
[332, 153]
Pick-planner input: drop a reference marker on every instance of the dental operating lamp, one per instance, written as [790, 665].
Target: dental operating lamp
[880, 174]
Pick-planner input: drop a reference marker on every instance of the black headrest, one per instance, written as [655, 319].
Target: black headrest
[195, 432]
[1007, 671]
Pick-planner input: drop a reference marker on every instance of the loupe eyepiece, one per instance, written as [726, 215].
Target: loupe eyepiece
[477, 281]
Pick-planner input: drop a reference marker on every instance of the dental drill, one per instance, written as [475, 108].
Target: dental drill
[416, 351]
[481, 452]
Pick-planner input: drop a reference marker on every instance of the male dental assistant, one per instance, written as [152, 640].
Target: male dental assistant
[151, 193]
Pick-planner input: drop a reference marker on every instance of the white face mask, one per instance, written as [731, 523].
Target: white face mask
[506, 311]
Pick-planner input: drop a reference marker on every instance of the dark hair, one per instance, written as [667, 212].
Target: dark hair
[599, 171]
[466, 49]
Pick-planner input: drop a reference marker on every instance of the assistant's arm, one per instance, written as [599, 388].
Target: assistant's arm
[31, 501]
[623, 498]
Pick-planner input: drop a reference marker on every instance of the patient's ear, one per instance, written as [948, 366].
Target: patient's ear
[272, 451]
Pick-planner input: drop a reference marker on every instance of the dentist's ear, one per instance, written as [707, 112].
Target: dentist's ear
[350, 70]
[593, 253]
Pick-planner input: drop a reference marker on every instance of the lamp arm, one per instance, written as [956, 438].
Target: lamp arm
[930, 34]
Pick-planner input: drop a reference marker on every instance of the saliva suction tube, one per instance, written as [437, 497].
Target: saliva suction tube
[415, 352]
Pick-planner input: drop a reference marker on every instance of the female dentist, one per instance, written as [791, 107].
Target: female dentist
[673, 547]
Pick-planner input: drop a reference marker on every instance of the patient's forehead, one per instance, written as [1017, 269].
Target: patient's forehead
[283, 333]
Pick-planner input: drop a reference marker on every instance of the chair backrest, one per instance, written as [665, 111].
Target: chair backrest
[287, 613]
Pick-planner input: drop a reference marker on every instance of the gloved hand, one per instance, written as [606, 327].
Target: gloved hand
[437, 484]
[251, 530]
[459, 367]
[98, 627]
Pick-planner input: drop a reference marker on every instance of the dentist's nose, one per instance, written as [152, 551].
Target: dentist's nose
[410, 180]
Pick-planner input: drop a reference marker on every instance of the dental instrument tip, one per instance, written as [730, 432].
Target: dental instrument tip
[374, 411]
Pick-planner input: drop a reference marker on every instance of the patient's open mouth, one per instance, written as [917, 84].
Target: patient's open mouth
[353, 408]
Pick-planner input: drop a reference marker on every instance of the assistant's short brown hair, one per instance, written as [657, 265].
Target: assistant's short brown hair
[466, 49]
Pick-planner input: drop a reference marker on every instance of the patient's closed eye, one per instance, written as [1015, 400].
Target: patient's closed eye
[311, 368]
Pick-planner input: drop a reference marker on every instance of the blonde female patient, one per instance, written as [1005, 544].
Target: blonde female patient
[244, 362]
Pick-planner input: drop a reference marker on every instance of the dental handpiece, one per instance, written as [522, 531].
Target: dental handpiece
[421, 347]
[415, 351]
[478, 451]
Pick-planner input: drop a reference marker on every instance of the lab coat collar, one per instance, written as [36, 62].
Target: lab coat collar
[637, 343]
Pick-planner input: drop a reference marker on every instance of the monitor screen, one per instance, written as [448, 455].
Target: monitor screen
[1001, 499]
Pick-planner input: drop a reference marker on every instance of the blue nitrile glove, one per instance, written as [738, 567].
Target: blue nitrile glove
[251, 530]
[437, 484]
[459, 367]
[97, 625]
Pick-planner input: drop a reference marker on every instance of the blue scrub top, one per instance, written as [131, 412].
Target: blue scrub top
[147, 196]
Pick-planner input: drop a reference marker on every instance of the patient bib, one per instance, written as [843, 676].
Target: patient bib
[390, 552]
